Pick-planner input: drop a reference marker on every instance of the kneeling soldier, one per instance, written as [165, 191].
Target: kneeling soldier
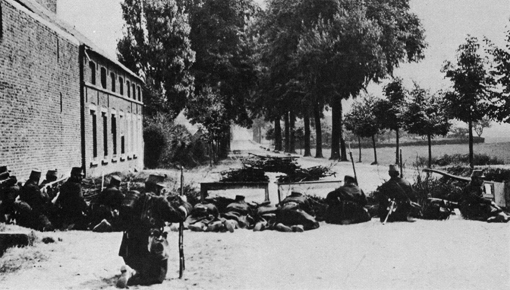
[346, 204]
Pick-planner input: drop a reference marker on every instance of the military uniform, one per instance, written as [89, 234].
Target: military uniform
[399, 191]
[295, 212]
[106, 207]
[144, 215]
[9, 191]
[346, 204]
[33, 213]
[73, 208]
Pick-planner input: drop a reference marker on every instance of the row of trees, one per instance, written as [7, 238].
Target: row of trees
[228, 61]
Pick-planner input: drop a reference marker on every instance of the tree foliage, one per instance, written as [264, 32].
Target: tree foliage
[502, 70]
[156, 45]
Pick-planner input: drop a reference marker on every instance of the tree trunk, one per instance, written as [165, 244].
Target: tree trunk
[307, 134]
[277, 134]
[335, 130]
[292, 129]
[287, 132]
[398, 145]
[471, 159]
[375, 151]
[359, 147]
[430, 150]
[318, 132]
[343, 151]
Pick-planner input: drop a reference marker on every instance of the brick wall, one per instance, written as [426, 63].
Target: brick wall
[39, 95]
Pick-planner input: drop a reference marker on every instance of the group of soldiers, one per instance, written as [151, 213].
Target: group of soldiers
[37, 205]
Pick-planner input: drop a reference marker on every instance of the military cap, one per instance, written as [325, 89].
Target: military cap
[393, 168]
[77, 171]
[3, 169]
[295, 193]
[477, 173]
[115, 180]
[35, 175]
[239, 197]
[51, 174]
[156, 178]
[349, 178]
[4, 175]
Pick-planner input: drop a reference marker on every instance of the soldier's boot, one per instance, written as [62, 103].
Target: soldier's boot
[229, 225]
[260, 226]
[283, 228]
[215, 227]
[197, 227]
[125, 274]
[298, 228]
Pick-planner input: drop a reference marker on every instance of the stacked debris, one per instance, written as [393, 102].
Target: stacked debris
[272, 164]
[247, 174]
[306, 174]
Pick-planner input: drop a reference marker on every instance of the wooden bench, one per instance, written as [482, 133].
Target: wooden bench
[206, 186]
[317, 184]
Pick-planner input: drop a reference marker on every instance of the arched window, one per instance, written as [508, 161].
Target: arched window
[112, 80]
[128, 86]
[121, 86]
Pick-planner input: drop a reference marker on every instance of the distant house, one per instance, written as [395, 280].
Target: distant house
[64, 103]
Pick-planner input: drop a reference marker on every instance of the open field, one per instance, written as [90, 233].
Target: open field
[410, 153]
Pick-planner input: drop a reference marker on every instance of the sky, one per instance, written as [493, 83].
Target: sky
[447, 24]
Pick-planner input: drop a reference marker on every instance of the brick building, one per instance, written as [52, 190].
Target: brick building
[64, 103]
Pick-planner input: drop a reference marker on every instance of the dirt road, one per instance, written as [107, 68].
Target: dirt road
[452, 254]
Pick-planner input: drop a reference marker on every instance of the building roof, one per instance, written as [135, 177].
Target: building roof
[68, 31]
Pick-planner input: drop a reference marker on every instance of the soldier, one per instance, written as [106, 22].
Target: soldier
[474, 206]
[51, 176]
[294, 214]
[34, 212]
[397, 198]
[106, 207]
[148, 214]
[202, 216]
[9, 190]
[73, 208]
[346, 204]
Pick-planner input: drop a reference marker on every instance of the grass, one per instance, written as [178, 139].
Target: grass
[410, 154]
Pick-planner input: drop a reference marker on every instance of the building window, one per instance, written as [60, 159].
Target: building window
[103, 77]
[105, 133]
[114, 134]
[112, 80]
[128, 86]
[133, 91]
[94, 133]
[122, 139]
[121, 86]
[139, 93]
[92, 67]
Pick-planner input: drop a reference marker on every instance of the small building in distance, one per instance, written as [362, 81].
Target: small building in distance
[65, 103]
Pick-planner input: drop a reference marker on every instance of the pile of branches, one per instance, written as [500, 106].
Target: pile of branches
[306, 174]
[247, 174]
[284, 165]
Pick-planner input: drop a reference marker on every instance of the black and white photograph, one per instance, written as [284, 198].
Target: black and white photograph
[255, 144]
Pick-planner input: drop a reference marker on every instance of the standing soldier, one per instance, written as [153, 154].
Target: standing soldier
[396, 198]
[73, 208]
[33, 213]
[346, 204]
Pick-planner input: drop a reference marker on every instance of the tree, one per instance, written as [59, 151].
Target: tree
[225, 67]
[501, 58]
[357, 43]
[362, 121]
[470, 99]
[389, 111]
[479, 126]
[426, 115]
[156, 45]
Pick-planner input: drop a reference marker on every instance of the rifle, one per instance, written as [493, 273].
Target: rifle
[456, 177]
[400, 165]
[392, 209]
[181, 233]
[49, 185]
[353, 166]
